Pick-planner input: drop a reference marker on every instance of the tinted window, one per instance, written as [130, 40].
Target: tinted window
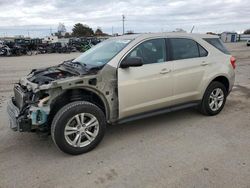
[184, 48]
[151, 51]
[216, 42]
[202, 51]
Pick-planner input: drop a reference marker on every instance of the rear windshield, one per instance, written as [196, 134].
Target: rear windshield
[217, 43]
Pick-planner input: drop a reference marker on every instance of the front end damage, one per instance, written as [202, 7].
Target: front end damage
[29, 109]
[31, 119]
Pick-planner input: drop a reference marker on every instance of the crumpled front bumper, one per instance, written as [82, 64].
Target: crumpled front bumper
[17, 121]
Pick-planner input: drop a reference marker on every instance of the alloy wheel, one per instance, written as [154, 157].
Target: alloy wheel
[81, 130]
[216, 99]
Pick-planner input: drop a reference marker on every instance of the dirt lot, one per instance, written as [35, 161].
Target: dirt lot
[181, 149]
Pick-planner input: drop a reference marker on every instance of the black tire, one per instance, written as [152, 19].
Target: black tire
[65, 114]
[204, 107]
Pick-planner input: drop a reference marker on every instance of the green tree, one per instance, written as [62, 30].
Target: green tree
[80, 30]
[98, 32]
[67, 35]
[247, 31]
[58, 34]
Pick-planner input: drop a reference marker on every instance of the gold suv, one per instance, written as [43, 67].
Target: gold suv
[122, 79]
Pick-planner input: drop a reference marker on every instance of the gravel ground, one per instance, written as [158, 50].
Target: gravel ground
[181, 149]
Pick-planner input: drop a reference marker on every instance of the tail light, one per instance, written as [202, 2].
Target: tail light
[233, 62]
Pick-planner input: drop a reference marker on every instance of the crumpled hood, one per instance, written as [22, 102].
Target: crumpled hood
[47, 75]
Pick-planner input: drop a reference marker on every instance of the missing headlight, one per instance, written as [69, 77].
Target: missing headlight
[43, 101]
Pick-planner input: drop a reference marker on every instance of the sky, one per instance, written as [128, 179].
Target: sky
[38, 18]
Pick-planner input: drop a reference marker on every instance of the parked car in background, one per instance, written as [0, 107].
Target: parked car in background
[27, 46]
[4, 50]
[248, 42]
[119, 80]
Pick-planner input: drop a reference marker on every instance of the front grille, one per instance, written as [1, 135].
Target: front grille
[20, 96]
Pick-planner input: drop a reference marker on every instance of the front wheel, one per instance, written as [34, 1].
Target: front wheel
[214, 99]
[78, 127]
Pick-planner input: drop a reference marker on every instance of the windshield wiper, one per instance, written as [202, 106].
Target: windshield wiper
[75, 66]
[78, 63]
[70, 66]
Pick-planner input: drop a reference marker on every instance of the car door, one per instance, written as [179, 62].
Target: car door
[189, 66]
[149, 86]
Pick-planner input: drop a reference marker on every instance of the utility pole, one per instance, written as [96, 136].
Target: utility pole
[192, 29]
[123, 20]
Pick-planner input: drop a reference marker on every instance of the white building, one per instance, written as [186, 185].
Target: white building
[50, 39]
[63, 41]
[229, 37]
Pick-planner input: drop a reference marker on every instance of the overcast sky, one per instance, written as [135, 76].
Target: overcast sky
[36, 17]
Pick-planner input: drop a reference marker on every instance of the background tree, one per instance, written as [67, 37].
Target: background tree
[98, 31]
[247, 31]
[67, 35]
[59, 35]
[130, 32]
[61, 30]
[80, 30]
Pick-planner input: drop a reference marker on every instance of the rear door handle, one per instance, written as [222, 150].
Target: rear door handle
[165, 71]
[204, 63]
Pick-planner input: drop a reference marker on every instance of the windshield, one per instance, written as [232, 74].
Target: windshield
[102, 53]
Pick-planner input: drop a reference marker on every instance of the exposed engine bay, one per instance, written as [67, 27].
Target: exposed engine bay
[45, 76]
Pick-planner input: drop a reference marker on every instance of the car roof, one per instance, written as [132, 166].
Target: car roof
[165, 34]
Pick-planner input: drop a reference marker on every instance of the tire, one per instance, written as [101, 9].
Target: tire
[207, 106]
[65, 122]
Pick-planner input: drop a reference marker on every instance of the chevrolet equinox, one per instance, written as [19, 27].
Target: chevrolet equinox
[122, 79]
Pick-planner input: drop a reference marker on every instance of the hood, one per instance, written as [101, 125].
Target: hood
[64, 70]
[47, 75]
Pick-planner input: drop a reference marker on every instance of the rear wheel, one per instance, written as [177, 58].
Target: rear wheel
[214, 99]
[78, 127]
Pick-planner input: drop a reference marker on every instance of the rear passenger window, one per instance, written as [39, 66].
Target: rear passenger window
[203, 52]
[184, 48]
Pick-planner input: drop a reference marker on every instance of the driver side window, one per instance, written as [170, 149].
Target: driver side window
[151, 51]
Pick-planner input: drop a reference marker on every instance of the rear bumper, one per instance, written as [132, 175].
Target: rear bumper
[17, 121]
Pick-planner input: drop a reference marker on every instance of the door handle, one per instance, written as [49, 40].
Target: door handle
[165, 71]
[204, 63]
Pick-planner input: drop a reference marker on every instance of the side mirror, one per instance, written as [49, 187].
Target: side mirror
[131, 62]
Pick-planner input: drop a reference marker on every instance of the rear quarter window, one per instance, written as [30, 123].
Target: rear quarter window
[217, 43]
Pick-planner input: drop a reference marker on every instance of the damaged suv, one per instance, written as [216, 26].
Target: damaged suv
[122, 79]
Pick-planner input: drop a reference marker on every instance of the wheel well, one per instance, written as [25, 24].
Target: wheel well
[74, 95]
[223, 80]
